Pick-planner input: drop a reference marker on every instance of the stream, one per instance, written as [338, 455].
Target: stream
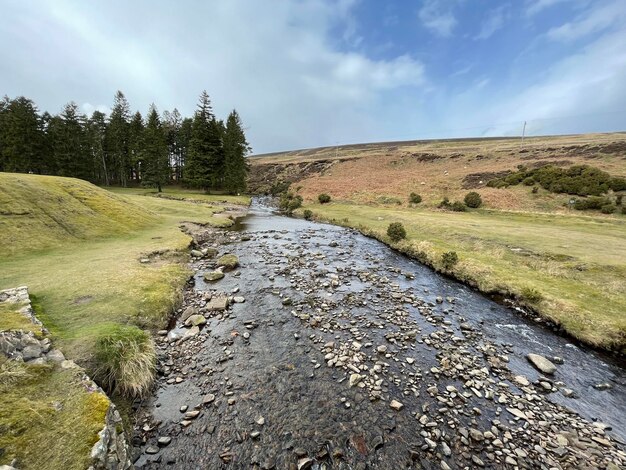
[326, 349]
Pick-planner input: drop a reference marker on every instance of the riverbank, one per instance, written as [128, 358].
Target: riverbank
[326, 348]
[90, 286]
[570, 270]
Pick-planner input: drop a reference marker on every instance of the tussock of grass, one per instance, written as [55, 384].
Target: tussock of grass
[11, 319]
[47, 419]
[126, 359]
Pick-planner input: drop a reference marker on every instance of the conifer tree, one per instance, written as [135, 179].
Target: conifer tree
[135, 145]
[235, 149]
[96, 129]
[155, 165]
[20, 136]
[69, 144]
[204, 147]
[117, 139]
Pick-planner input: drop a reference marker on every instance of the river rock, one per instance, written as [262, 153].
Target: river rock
[213, 276]
[228, 261]
[196, 320]
[196, 254]
[55, 356]
[396, 405]
[541, 363]
[31, 351]
[355, 379]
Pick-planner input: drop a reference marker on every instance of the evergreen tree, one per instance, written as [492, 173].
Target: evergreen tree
[184, 138]
[69, 144]
[96, 130]
[155, 165]
[117, 140]
[135, 145]
[235, 149]
[20, 136]
[205, 147]
[172, 124]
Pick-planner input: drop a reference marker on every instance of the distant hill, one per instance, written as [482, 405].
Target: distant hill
[390, 171]
[38, 212]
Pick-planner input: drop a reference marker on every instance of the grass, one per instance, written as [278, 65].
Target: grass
[174, 192]
[44, 212]
[47, 418]
[11, 320]
[569, 268]
[87, 284]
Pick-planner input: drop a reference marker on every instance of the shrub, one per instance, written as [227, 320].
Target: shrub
[618, 199]
[535, 189]
[279, 188]
[308, 214]
[449, 259]
[125, 359]
[444, 204]
[289, 202]
[323, 198]
[458, 206]
[591, 203]
[529, 181]
[624, 210]
[396, 231]
[473, 200]
[531, 295]
[415, 198]
[608, 209]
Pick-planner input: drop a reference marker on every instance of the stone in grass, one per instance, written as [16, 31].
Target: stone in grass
[213, 276]
[195, 320]
[228, 261]
[541, 363]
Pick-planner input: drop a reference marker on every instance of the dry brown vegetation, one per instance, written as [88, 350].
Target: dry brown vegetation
[435, 169]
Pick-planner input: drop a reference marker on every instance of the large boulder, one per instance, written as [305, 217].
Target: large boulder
[195, 320]
[541, 363]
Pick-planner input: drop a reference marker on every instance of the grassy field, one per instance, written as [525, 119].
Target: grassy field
[102, 273]
[577, 264]
[183, 194]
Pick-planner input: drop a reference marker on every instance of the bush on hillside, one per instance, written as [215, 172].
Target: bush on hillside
[580, 180]
[126, 360]
[279, 188]
[608, 209]
[473, 200]
[415, 198]
[289, 202]
[458, 206]
[308, 214]
[323, 198]
[591, 203]
[535, 189]
[396, 231]
[449, 259]
[618, 199]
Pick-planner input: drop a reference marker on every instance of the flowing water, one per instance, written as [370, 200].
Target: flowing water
[316, 294]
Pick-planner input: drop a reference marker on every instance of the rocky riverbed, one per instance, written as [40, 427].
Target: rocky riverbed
[321, 349]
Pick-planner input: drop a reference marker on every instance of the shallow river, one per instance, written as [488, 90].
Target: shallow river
[335, 327]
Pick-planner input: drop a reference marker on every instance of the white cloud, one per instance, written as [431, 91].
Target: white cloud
[591, 21]
[494, 21]
[537, 6]
[281, 67]
[437, 16]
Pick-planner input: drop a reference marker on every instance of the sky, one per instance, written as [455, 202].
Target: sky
[309, 73]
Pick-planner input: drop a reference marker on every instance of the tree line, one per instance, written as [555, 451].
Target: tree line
[123, 148]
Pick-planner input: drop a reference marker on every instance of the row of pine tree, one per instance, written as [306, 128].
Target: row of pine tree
[124, 149]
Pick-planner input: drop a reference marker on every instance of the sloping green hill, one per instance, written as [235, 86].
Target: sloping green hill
[38, 212]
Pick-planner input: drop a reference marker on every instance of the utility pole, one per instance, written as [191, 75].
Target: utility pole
[523, 134]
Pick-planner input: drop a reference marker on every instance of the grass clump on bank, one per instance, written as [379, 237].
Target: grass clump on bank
[570, 269]
[125, 358]
[47, 418]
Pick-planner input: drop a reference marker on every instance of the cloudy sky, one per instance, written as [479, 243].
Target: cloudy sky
[307, 73]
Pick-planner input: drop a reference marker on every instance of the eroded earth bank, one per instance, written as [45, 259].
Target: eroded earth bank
[325, 349]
